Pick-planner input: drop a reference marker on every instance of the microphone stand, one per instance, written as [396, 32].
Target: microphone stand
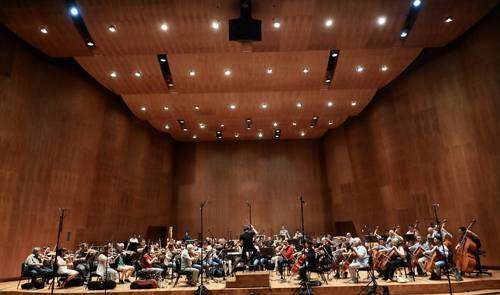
[62, 212]
[446, 265]
[302, 202]
[202, 290]
[249, 212]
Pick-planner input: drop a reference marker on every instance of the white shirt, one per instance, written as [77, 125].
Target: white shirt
[103, 263]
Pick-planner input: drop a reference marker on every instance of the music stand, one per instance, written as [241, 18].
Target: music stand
[409, 238]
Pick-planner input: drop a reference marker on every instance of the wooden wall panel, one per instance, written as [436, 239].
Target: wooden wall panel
[67, 142]
[431, 136]
[270, 175]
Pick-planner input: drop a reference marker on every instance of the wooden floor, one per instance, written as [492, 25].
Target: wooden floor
[484, 285]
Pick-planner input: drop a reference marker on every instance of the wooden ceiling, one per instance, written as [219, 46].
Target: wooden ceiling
[302, 41]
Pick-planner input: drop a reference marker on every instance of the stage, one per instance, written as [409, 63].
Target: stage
[484, 285]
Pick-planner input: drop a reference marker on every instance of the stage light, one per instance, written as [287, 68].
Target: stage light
[276, 24]
[404, 34]
[264, 106]
[194, 136]
[167, 127]
[192, 73]
[384, 68]
[185, 129]
[299, 104]
[328, 81]
[360, 68]
[305, 70]
[302, 133]
[196, 108]
[416, 3]
[163, 59]
[44, 30]
[335, 54]
[221, 125]
[381, 20]
[202, 125]
[275, 124]
[170, 84]
[215, 25]
[330, 122]
[449, 19]
[227, 72]
[112, 29]
[354, 103]
[269, 70]
[330, 104]
[164, 27]
[137, 74]
[74, 11]
[329, 22]
[165, 108]
[236, 135]
[232, 107]
[143, 109]
[294, 123]
[260, 134]
[113, 74]
[90, 44]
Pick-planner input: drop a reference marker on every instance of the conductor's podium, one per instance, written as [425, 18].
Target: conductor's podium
[249, 280]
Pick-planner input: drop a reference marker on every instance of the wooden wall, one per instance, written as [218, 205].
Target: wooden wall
[270, 175]
[431, 136]
[67, 142]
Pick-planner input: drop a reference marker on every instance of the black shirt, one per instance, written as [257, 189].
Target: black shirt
[247, 238]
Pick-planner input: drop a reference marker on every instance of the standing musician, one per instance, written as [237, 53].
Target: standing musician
[310, 261]
[397, 257]
[464, 232]
[247, 238]
[360, 254]
[34, 263]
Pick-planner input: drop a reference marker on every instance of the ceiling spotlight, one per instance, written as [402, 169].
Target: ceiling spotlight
[143, 109]
[113, 74]
[276, 24]
[192, 73]
[302, 133]
[299, 104]
[194, 136]
[403, 34]
[197, 108]
[328, 22]
[44, 30]
[90, 44]
[381, 20]
[354, 103]
[74, 11]
[330, 104]
[112, 29]
[167, 127]
[165, 108]
[236, 135]
[275, 124]
[202, 125]
[232, 107]
[449, 19]
[227, 72]
[269, 70]
[360, 68]
[215, 25]
[384, 68]
[164, 27]
[163, 59]
[330, 122]
[416, 3]
[137, 74]
[294, 123]
[260, 134]
[305, 70]
[264, 106]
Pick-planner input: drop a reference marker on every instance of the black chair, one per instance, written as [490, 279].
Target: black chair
[179, 271]
[25, 274]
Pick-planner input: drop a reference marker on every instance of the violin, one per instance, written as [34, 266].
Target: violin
[465, 260]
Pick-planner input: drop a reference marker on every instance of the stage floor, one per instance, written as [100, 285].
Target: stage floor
[483, 285]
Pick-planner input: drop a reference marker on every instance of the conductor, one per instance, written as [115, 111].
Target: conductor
[247, 238]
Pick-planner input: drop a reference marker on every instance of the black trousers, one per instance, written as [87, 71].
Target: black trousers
[391, 268]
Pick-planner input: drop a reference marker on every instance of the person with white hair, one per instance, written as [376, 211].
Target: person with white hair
[124, 271]
[34, 263]
[187, 259]
[360, 261]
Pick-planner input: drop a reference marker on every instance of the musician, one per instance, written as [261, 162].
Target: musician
[259, 261]
[246, 238]
[397, 261]
[133, 243]
[440, 261]
[63, 264]
[103, 265]
[360, 260]
[35, 267]
[413, 248]
[298, 235]
[186, 237]
[463, 231]
[349, 238]
[284, 232]
[310, 261]
[81, 261]
[124, 271]
[187, 258]
[147, 261]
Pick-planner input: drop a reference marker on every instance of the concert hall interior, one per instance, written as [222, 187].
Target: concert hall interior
[360, 124]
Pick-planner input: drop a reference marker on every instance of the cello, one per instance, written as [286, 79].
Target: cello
[465, 260]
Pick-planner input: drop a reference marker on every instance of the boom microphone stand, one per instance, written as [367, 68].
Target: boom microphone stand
[249, 212]
[62, 212]
[447, 264]
[302, 202]
[202, 290]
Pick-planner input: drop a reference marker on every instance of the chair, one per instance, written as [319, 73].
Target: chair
[25, 274]
[179, 271]
[404, 266]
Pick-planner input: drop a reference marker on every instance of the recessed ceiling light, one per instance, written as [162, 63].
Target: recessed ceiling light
[113, 74]
[302, 133]
[194, 136]
[384, 68]
[353, 103]
[227, 72]
[165, 108]
[360, 68]
[202, 125]
[275, 124]
[44, 30]
[260, 134]
[137, 74]
[232, 107]
[164, 27]
[143, 109]
[335, 54]
[264, 105]
[74, 11]
[404, 34]
[329, 22]
[236, 135]
[305, 70]
[299, 104]
[276, 24]
[330, 104]
[90, 44]
[416, 3]
[294, 123]
[215, 25]
[197, 108]
[112, 29]
[163, 59]
[269, 70]
[330, 122]
[381, 20]
[192, 73]
[449, 19]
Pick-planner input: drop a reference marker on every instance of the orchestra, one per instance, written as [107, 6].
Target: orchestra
[383, 252]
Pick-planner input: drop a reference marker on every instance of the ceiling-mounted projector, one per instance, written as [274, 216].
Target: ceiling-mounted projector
[245, 28]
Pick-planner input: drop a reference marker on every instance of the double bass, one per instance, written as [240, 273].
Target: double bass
[465, 260]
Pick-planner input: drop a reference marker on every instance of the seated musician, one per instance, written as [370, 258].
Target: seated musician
[398, 260]
[104, 269]
[81, 261]
[124, 270]
[412, 252]
[475, 238]
[393, 235]
[147, 261]
[35, 267]
[298, 235]
[349, 238]
[187, 258]
[284, 232]
[310, 261]
[186, 237]
[440, 262]
[360, 260]
[133, 243]
[381, 246]
[258, 260]
[286, 257]
[141, 246]
[63, 266]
